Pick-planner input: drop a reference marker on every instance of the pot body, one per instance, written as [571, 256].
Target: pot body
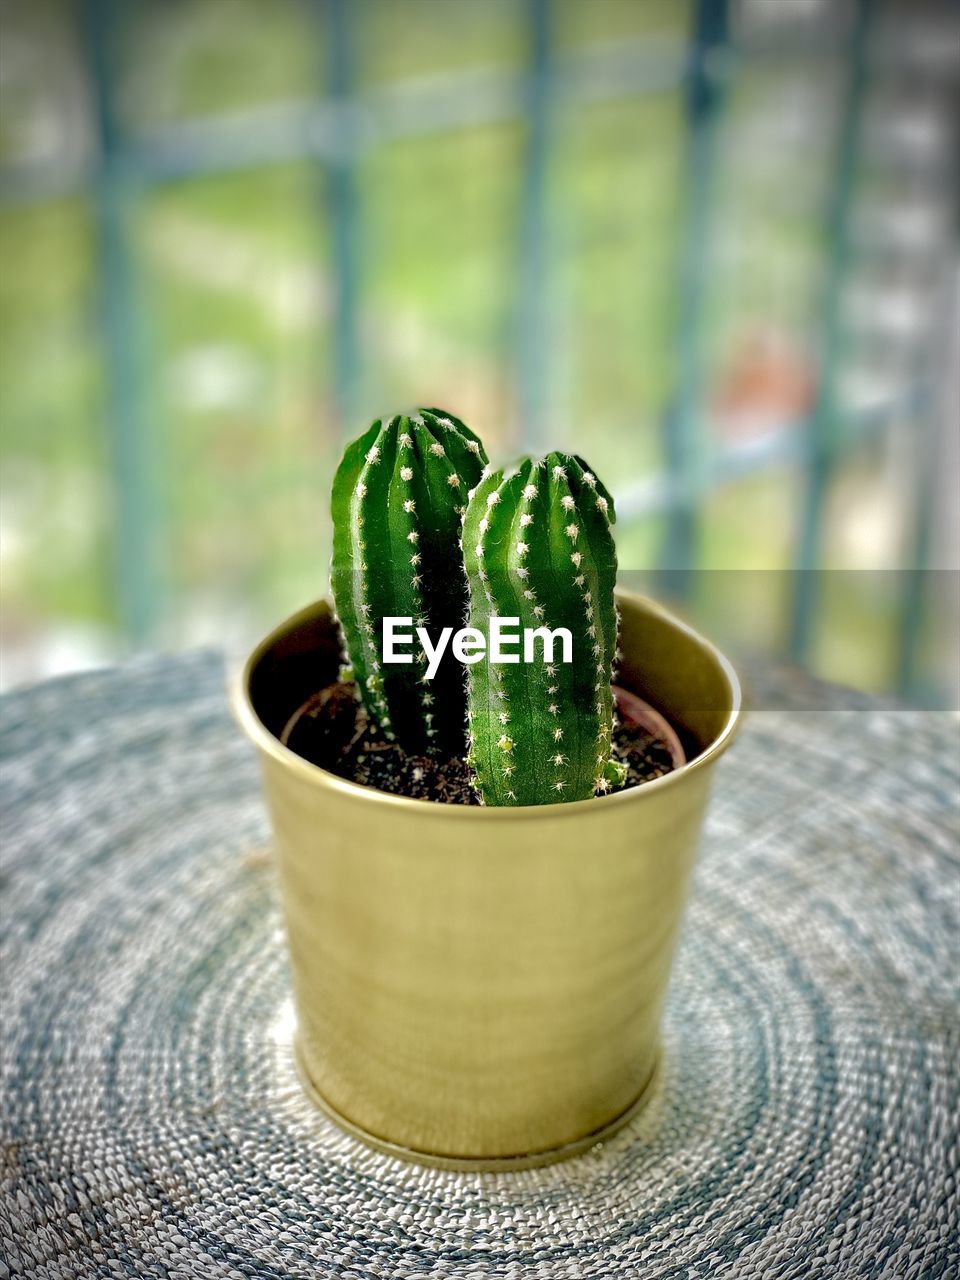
[475, 986]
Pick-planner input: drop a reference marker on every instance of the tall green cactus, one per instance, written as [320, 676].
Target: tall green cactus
[537, 546]
[399, 497]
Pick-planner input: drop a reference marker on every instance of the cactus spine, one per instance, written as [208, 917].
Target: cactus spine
[538, 547]
[399, 498]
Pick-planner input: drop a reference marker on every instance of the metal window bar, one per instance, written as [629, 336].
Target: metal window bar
[683, 446]
[344, 210]
[133, 441]
[534, 256]
[824, 423]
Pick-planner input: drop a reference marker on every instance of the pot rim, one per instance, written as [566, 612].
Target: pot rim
[267, 742]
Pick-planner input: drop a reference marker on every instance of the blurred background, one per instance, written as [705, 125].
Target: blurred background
[710, 245]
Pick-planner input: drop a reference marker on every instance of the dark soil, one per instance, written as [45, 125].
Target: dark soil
[332, 730]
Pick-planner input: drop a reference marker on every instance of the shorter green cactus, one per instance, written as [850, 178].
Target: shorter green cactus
[399, 497]
[537, 547]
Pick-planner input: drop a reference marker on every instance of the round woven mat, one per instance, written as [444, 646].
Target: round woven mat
[804, 1123]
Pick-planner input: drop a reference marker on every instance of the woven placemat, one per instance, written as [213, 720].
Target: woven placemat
[804, 1122]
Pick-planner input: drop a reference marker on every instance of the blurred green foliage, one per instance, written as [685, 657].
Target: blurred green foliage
[237, 278]
[236, 275]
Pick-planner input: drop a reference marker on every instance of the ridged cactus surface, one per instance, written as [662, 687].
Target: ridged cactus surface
[537, 546]
[399, 497]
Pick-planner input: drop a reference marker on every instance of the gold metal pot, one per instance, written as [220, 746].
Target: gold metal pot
[481, 987]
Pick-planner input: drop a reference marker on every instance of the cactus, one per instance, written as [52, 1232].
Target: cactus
[537, 546]
[399, 497]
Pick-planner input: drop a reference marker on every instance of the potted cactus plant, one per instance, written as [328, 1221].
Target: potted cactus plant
[480, 940]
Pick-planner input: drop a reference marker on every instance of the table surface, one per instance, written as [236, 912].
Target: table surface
[804, 1122]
